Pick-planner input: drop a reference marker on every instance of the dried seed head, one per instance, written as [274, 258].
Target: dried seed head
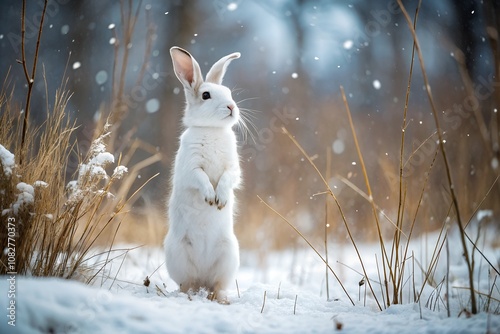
[147, 281]
[362, 282]
[338, 325]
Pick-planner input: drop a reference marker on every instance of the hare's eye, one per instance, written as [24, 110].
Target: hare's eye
[205, 95]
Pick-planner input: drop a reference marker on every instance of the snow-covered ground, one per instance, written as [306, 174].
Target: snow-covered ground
[121, 303]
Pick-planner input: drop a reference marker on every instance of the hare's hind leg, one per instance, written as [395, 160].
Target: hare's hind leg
[180, 265]
[224, 268]
[218, 295]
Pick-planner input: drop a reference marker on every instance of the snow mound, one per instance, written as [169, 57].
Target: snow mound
[120, 303]
[25, 197]
[8, 160]
[62, 306]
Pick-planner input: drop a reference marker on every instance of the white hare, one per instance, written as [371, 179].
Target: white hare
[201, 248]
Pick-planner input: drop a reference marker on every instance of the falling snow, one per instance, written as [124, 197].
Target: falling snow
[348, 44]
[64, 29]
[232, 6]
[101, 77]
[152, 106]
[338, 146]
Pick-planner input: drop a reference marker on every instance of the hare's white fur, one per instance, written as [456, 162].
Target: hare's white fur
[201, 248]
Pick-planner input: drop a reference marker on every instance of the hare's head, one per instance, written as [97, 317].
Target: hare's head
[208, 103]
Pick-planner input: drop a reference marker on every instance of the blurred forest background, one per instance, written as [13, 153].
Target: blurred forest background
[295, 56]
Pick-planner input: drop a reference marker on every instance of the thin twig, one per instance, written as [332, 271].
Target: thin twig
[295, 304]
[263, 302]
[419, 203]
[478, 292]
[448, 273]
[23, 32]
[370, 196]
[154, 271]
[401, 199]
[310, 245]
[445, 158]
[328, 163]
[339, 207]
[365, 196]
[30, 79]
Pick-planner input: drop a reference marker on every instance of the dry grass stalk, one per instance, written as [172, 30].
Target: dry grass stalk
[327, 225]
[402, 194]
[263, 302]
[445, 158]
[339, 207]
[385, 258]
[30, 78]
[58, 226]
[295, 304]
[309, 244]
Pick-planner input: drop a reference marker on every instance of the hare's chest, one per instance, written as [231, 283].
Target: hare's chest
[214, 158]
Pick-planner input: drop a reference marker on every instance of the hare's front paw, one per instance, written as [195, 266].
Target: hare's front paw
[209, 194]
[221, 196]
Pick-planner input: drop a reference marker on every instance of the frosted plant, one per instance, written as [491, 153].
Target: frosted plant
[92, 176]
[25, 198]
[7, 160]
[26, 192]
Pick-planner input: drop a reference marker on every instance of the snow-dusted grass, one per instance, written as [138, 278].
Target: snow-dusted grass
[295, 302]
[57, 226]
[53, 221]
[51, 224]
[7, 160]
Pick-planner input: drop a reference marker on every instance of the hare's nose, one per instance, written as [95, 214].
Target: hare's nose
[230, 107]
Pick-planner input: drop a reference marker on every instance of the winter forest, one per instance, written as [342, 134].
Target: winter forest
[368, 142]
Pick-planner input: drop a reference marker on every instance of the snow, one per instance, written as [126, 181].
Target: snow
[41, 184]
[65, 29]
[101, 77]
[102, 158]
[338, 146]
[494, 163]
[481, 214]
[95, 167]
[376, 84]
[7, 159]
[348, 44]
[152, 106]
[92, 170]
[98, 160]
[232, 6]
[292, 281]
[119, 171]
[25, 197]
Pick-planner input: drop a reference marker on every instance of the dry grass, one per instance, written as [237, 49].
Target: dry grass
[55, 229]
[60, 229]
[397, 266]
[60, 224]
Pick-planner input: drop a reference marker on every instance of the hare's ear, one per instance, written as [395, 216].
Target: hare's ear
[186, 68]
[216, 73]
